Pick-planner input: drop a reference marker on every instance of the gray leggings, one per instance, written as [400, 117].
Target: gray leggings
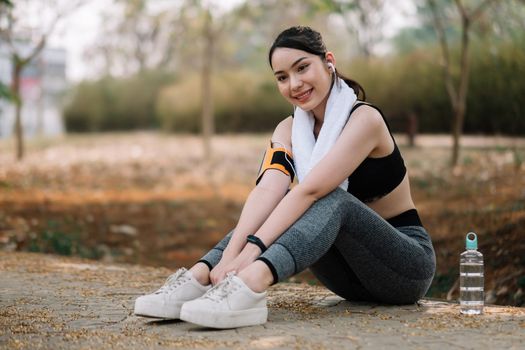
[351, 250]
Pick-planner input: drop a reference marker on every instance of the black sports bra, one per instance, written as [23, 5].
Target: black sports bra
[376, 177]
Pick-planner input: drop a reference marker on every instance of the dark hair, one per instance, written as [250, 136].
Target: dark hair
[306, 39]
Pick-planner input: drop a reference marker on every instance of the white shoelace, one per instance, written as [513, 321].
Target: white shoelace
[174, 281]
[223, 289]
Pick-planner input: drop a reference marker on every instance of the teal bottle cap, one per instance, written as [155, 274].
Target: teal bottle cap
[471, 241]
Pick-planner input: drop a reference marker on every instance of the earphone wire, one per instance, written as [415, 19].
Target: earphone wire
[285, 155]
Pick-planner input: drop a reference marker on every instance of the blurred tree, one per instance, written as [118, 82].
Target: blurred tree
[5, 92]
[141, 37]
[364, 19]
[25, 38]
[216, 23]
[137, 36]
[457, 90]
[115, 103]
[504, 23]
[410, 39]
[207, 115]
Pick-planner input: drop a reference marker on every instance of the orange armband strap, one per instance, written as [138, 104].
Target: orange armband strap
[277, 158]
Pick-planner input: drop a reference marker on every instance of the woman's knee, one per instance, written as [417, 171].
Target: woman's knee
[330, 207]
[310, 237]
[343, 202]
[317, 227]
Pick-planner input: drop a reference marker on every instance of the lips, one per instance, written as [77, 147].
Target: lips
[303, 96]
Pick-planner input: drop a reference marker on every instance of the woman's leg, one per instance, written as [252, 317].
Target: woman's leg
[392, 266]
[201, 269]
[374, 260]
[394, 271]
[333, 271]
[212, 258]
[181, 287]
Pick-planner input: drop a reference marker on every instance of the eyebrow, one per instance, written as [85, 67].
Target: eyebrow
[293, 64]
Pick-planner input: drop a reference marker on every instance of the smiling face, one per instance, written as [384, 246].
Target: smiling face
[303, 79]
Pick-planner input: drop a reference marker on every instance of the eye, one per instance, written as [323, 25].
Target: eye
[281, 78]
[302, 67]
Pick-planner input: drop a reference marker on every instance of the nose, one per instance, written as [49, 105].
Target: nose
[295, 82]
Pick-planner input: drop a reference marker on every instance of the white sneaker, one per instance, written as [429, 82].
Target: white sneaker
[167, 301]
[229, 304]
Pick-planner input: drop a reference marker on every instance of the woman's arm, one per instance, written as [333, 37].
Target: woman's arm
[263, 199]
[358, 139]
[260, 203]
[258, 206]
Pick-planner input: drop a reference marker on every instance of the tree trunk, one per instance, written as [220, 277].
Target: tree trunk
[461, 102]
[456, 135]
[19, 131]
[411, 129]
[207, 95]
[458, 98]
[40, 122]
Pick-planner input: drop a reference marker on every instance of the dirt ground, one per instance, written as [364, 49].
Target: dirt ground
[68, 303]
[150, 199]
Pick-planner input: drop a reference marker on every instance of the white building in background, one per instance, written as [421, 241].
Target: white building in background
[43, 84]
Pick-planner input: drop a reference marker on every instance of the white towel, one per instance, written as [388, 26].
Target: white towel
[306, 151]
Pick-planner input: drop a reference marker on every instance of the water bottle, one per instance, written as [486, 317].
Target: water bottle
[471, 280]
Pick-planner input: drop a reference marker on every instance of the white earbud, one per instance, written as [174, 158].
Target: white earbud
[331, 67]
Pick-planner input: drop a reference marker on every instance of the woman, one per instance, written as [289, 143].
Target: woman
[350, 219]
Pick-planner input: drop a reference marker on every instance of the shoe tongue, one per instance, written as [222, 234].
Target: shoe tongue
[236, 280]
[225, 287]
[225, 283]
[187, 273]
[177, 276]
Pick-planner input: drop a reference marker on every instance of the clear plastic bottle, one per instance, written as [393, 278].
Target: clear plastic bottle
[471, 278]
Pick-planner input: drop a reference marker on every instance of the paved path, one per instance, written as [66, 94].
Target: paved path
[49, 302]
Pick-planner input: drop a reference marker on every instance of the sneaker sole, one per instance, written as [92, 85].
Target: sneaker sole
[152, 310]
[225, 319]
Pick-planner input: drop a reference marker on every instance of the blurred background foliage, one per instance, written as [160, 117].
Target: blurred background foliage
[243, 102]
[150, 66]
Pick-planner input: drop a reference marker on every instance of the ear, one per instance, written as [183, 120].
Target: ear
[329, 57]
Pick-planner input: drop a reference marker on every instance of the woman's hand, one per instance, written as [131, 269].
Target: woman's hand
[245, 258]
[219, 271]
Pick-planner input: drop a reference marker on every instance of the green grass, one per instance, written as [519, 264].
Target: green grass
[55, 238]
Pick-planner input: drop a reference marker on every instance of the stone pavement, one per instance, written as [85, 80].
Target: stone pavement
[49, 302]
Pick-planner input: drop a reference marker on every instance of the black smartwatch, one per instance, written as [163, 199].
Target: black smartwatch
[257, 241]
